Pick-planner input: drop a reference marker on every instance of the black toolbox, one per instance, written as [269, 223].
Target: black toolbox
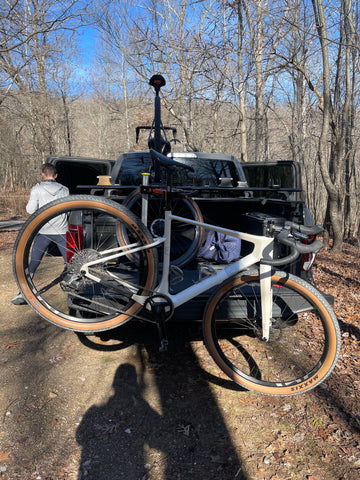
[258, 223]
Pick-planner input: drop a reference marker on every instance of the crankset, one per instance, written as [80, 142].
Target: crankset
[161, 309]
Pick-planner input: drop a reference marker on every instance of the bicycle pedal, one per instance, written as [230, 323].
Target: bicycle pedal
[163, 345]
[206, 271]
[176, 275]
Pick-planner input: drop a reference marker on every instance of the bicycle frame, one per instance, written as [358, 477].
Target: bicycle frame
[263, 248]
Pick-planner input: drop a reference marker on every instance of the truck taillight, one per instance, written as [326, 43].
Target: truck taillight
[307, 259]
[74, 240]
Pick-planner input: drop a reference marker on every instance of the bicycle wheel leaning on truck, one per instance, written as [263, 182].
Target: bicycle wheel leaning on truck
[304, 339]
[66, 296]
[186, 239]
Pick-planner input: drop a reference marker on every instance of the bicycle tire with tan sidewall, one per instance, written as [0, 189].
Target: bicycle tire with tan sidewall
[65, 205]
[305, 346]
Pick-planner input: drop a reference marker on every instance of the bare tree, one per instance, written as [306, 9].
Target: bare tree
[25, 23]
[241, 84]
[32, 44]
[183, 41]
[336, 113]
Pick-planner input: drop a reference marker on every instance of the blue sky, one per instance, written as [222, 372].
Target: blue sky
[88, 38]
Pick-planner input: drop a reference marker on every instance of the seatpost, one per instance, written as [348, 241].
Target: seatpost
[145, 198]
[168, 193]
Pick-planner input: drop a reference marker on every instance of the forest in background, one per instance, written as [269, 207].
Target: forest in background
[261, 80]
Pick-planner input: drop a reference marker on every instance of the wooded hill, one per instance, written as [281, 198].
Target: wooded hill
[260, 80]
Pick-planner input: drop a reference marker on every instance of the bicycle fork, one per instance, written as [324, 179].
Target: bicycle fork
[266, 300]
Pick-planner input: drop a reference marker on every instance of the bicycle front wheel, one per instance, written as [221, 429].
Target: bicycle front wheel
[304, 339]
[83, 279]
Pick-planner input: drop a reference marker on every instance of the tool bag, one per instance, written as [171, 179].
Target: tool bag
[220, 248]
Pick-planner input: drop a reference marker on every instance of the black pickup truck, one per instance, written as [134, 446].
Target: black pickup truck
[248, 197]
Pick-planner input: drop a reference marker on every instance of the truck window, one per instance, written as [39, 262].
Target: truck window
[72, 173]
[207, 172]
[269, 176]
[131, 170]
[282, 174]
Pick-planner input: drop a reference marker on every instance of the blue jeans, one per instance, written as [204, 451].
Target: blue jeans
[41, 243]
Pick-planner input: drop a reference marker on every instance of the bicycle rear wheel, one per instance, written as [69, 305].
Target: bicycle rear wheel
[185, 238]
[62, 293]
[304, 336]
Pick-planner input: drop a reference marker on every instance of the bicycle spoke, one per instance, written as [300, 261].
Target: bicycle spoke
[304, 336]
[64, 293]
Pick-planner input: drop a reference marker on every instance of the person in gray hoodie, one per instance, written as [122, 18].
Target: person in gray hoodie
[52, 232]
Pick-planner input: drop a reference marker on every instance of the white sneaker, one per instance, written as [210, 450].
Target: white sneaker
[18, 299]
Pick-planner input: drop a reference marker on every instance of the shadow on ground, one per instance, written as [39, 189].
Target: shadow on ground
[177, 432]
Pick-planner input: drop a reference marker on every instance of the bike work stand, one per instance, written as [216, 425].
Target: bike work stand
[159, 306]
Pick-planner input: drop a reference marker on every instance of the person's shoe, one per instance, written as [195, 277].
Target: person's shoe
[18, 299]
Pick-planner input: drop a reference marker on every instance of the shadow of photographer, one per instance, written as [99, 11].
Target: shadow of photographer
[161, 421]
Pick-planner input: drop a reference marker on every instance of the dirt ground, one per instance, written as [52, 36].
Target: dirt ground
[113, 407]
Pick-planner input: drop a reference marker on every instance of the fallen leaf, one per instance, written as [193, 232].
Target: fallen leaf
[4, 456]
[324, 433]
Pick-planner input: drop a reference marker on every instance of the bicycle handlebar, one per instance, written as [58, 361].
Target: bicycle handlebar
[314, 230]
[292, 235]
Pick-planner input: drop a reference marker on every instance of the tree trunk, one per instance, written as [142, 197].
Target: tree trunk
[241, 86]
[330, 183]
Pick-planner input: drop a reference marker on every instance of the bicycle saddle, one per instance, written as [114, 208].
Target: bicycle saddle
[167, 162]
